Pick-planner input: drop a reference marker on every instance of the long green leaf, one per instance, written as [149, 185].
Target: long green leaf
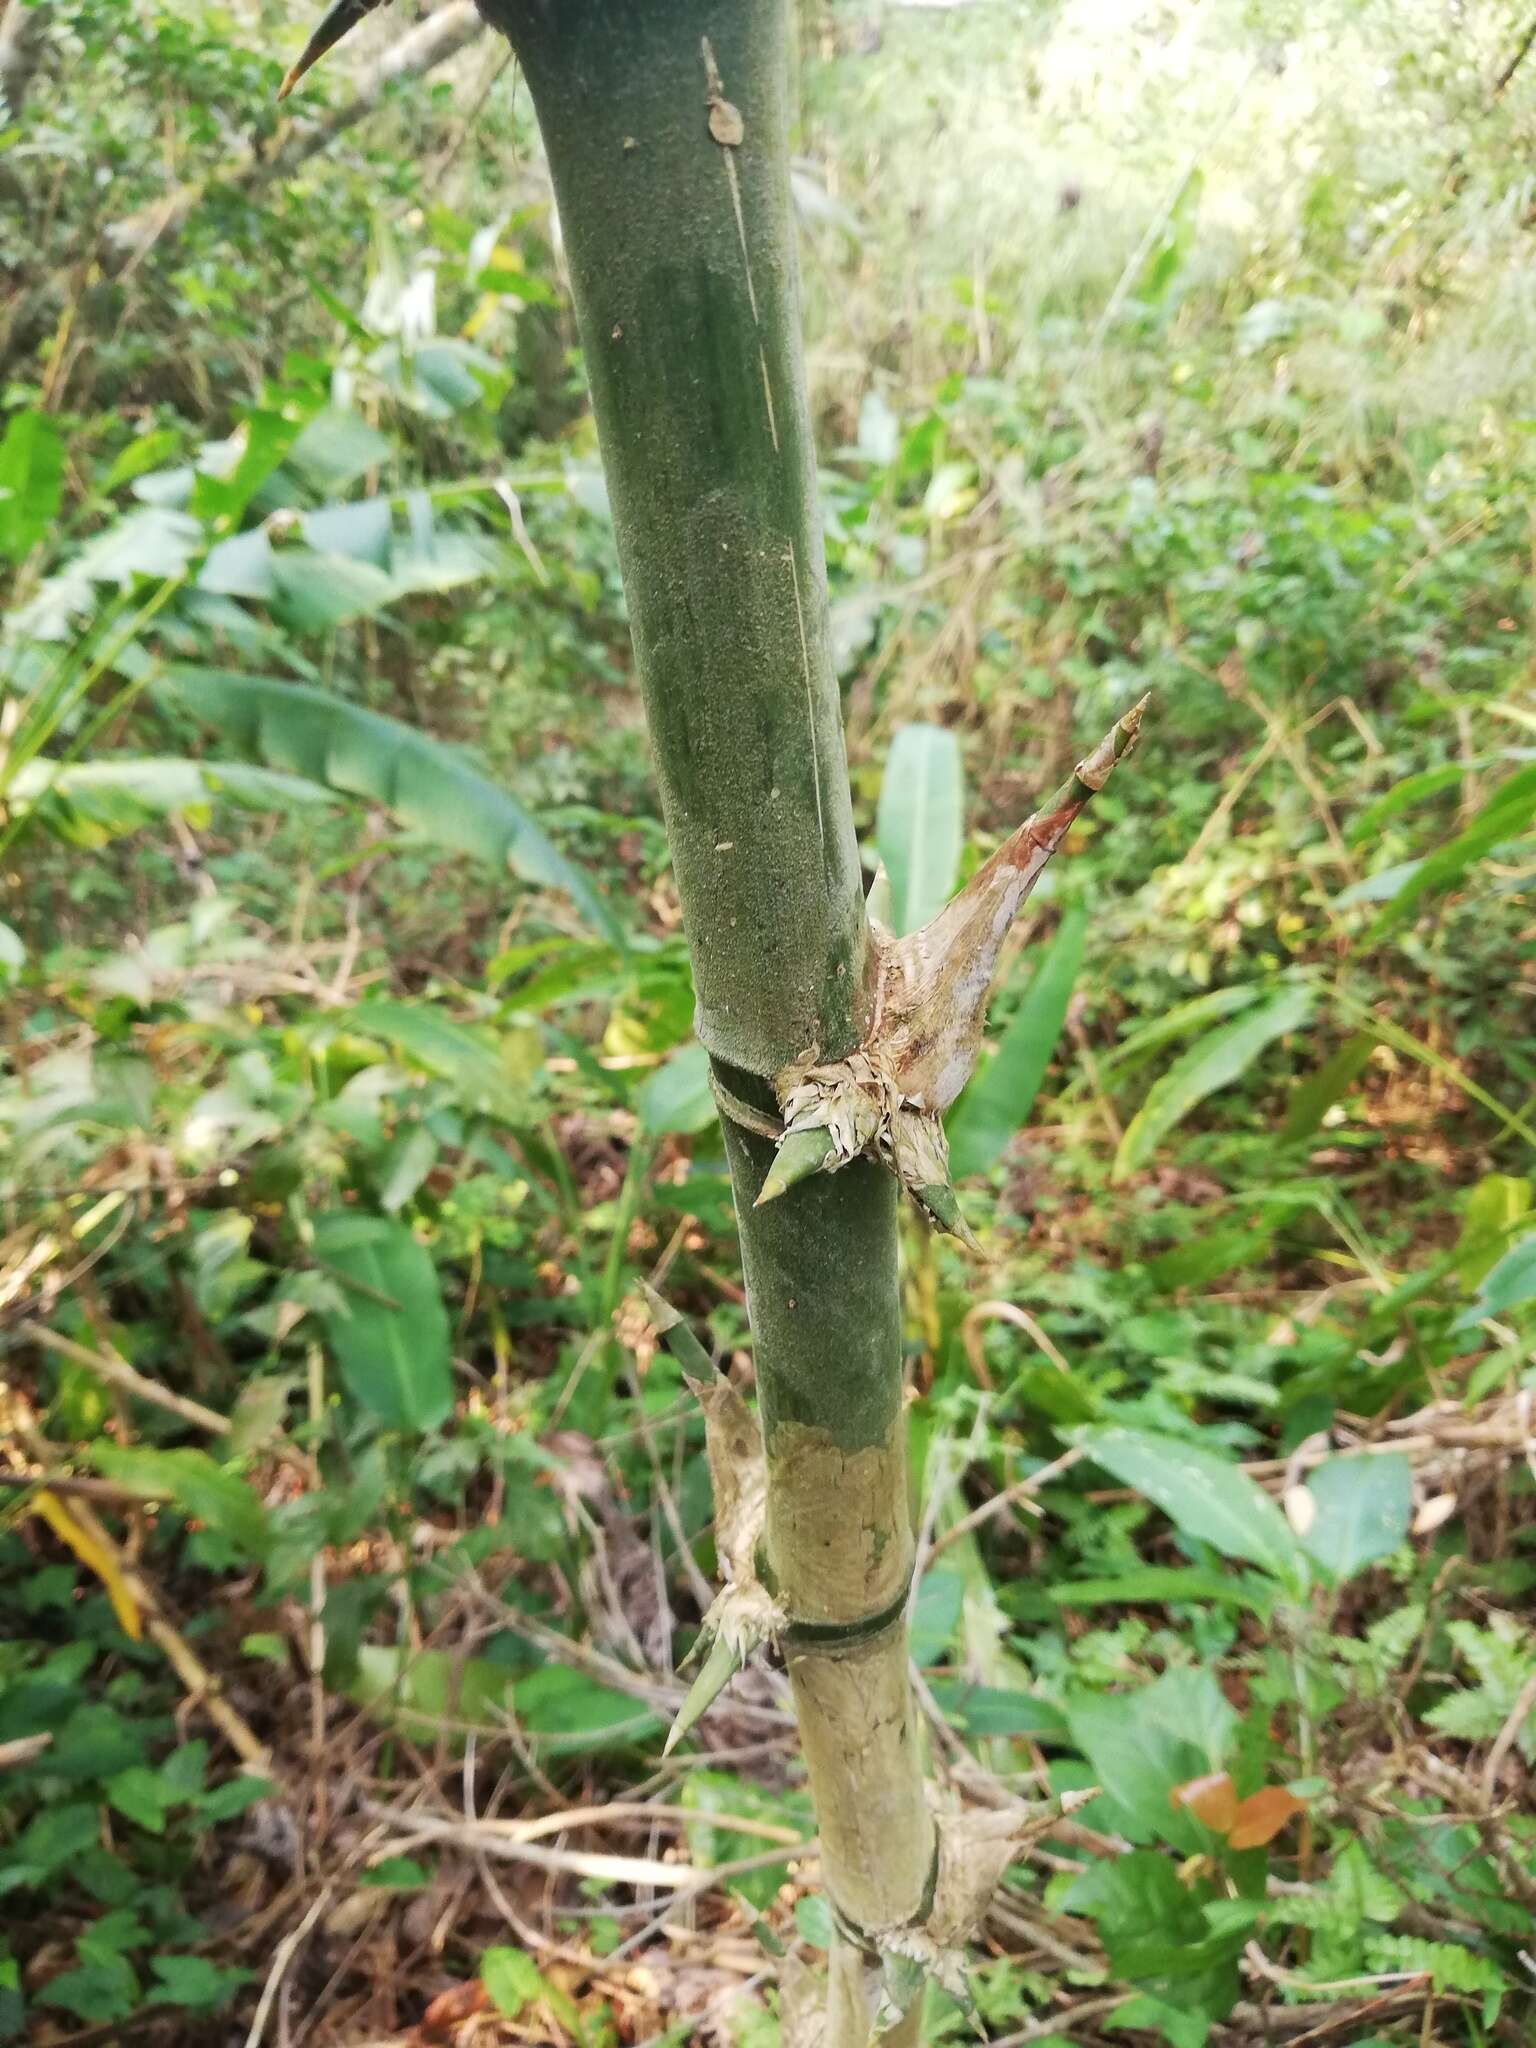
[1312, 1098]
[344, 747]
[1507, 814]
[490, 1071]
[85, 803]
[918, 824]
[1213, 1062]
[1205, 1496]
[391, 1336]
[1179, 1022]
[999, 1099]
[31, 481]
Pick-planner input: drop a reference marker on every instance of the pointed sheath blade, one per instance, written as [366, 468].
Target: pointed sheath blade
[800, 1154]
[720, 1667]
[339, 19]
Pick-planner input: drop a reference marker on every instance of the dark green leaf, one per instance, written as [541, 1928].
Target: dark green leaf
[343, 747]
[677, 1096]
[998, 1101]
[1313, 1097]
[31, 481]
[1206, 1496]
[1213, 1062]
[194, 1483]
[1140, 1744]
[391, 1340]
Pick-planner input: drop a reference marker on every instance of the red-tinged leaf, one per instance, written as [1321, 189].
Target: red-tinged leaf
[451, 2008]
[1212, 1800]
[1262, 1815]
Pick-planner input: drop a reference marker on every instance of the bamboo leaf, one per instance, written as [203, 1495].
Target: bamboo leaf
[1312, 1098]
[1205, 1496]
[1507, 814]
[344, 747]
[391, 1340]
[1212, 1063]
[918, 825]
[1179, 1022]
[87, 803]
[998, 1101]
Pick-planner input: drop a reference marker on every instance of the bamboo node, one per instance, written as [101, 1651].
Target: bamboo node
[887, 1100]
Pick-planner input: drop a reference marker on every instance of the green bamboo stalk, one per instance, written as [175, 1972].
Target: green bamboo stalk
[665, 124]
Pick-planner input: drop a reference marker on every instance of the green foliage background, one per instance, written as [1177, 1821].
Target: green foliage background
[348, 1090]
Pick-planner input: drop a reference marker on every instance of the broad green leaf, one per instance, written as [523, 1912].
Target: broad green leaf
[1204, 1495]
[194, 1981]
[566, 1713]
[1508, 814]
[512, 1980]
[1363, 1506]
[562, 1711]
[1312, 1098]
[1164, 1585]
[139, 1794]
[998, 1101]
[31, 481]
[391, 1340]
[242, 566]
[1509, 1284]
[193, 1482]
[1494, 1211]
[489, 1072]
[714, 1799]
[230, 473]
[1203, 1259]
[979, 1710]
[1211, 1063]
[343, 747]
[141, 454]
[336, 448]
[1380, 887]
[87, 803]
[317, 592]
[151, 541]
[813, 1919]
[677, 1096]
[1143, 1911]
[1140, 1744]
[410, 1157]
[918, 824]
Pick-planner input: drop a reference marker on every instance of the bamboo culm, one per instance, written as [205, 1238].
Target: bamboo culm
[666, 129]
